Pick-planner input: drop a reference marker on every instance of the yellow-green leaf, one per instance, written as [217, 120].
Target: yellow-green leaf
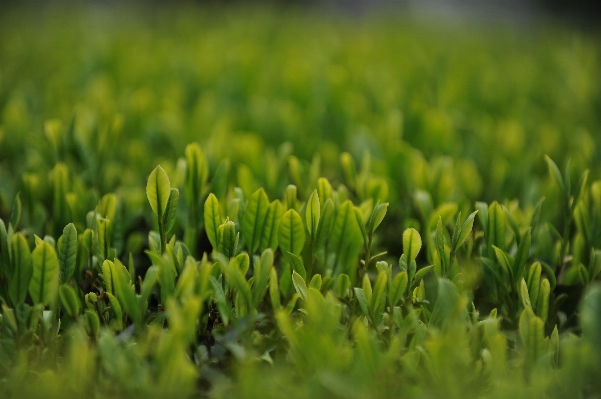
[312, 215]
[292, 233]
[158, 190]
[412, 243]
[212, 218]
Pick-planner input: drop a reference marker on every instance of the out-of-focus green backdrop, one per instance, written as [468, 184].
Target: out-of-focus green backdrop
[464, 109]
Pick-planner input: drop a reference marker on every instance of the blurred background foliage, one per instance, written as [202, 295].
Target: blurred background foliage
[475, 105]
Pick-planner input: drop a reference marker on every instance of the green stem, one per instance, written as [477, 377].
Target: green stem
[450, 265]
[163, 235]
[367, 255]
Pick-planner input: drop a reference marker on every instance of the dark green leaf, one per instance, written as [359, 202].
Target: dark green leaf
[44, 281]
[67, 253]
[22, 269]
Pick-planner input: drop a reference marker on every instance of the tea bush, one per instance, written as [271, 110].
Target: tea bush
[199, 202]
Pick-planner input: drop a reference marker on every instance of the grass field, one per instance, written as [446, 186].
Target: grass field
[264, 203]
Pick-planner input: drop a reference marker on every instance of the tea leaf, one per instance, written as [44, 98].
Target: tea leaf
[22, 269]
[67, 252]
[171, 210]
[254, 219]
[44, 280]
[291, 233]
[158, 191]
[212, 219]
[299, 285]
[412, 243]
[313, 214]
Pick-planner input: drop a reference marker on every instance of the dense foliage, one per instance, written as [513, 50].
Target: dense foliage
[348, 208]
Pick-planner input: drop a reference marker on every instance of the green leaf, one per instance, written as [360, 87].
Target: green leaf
[70, 301]
[325, 224]
[292, 233]
[158, 190]
[360, 295]
[556, 174]
[378, 299]
[299, 285]
[5, 266]
[465, 231]
[324, 190]
[166, 278]
[22, 269]
[550, 275]
[125, 293]
[45, 277]
[366, 287]
[150, 279]
[345, 240]
[482, 208]
[187, 280]
[524, 295]
[316, 282]
[533, 282]
[590, 318]
[512, 224]
[254, 219]
[531, 330]
[108, 276]
[107, 208]
[212, 218]
[412, 243]
[103, 244]
[377, 216]
[261, 274]
[342, 287]
[8, 314]
[15, 213]
[313, 213]
[117, 310]
[274, 289]
[291, 194]
[448, 303]
[359, 217]
[536, 214]
[297, 265]
[271, 227]
[496, 228]
[92, 323]
[439, 244]
[421, 273]
[67, 253]
[227, 239]
[398, 288]
[521, 257]
[505, 262]
[542, 307]
[237, 280]
[171, 210]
